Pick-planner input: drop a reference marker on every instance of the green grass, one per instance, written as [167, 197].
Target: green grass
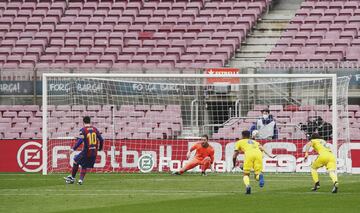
[189, 193]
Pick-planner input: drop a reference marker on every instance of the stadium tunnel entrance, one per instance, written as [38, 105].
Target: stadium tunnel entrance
[218, 112]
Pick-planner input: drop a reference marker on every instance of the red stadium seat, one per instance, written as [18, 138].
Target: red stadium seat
[62, 35]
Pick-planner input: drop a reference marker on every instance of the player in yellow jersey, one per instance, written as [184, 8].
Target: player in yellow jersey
[253, 159]
[325, 158]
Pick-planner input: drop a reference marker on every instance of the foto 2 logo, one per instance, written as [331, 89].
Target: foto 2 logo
[29, 157]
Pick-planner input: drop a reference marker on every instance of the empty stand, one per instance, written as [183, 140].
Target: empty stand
[153, 121]
[125, 34]
[130, 122]
[320, 32]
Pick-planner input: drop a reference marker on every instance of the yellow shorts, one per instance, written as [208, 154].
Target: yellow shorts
[253, 160]
[325, 159]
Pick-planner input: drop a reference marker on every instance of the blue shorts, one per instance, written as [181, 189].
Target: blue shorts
[85, 161]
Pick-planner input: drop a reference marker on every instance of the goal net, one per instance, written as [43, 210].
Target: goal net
[149, 122]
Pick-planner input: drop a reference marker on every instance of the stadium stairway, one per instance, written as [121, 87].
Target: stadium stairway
[265, 34]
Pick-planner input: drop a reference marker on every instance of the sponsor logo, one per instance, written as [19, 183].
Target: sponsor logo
[146, 163]
[223, 71]
[29, 157]
[129, 158]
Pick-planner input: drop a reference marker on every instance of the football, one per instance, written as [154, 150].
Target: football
[255, 134]
[68, 181]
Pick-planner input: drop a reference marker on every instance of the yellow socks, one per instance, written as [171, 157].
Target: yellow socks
[246, 180]
[314, 175]
[333, 176]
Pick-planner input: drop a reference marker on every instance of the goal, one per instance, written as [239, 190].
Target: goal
[149, 121]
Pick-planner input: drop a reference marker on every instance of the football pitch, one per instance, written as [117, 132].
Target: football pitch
[190, 193]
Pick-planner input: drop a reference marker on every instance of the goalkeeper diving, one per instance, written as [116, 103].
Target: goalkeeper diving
[204, 157]
[253, 159]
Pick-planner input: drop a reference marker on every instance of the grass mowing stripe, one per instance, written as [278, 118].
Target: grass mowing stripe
[160, 193]
[172, 193]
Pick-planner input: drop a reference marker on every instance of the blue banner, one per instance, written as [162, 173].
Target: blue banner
[16, 87]
[100, 87]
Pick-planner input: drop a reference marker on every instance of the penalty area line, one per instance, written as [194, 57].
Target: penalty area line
[196, 194]
[116, 190]
[116, 194]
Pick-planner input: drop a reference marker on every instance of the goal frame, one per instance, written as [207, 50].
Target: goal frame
[46, 76]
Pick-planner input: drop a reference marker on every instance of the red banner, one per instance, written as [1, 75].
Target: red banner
[20, 155]
[223, 71]
[167, 155]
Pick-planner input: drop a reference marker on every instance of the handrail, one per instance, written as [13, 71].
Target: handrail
[237, 108]
[194, 103]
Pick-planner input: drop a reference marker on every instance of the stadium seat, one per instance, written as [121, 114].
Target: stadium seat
[64, 32]
[11, 135]
[330, 24]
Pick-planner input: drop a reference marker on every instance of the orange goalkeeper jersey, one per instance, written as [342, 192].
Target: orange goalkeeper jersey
[202, 152]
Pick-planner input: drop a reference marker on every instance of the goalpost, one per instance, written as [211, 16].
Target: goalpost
[149, 121]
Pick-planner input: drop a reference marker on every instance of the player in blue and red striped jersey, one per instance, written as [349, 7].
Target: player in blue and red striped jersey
[92, 143]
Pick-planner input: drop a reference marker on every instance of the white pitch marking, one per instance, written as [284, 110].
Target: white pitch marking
[119, 194]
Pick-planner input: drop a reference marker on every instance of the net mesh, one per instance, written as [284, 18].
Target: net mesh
[163, 116]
